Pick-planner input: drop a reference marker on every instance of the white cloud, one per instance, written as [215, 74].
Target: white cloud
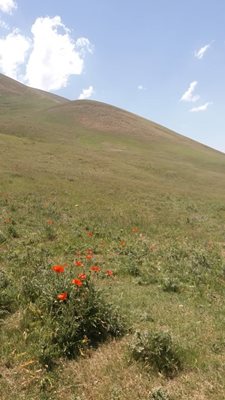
[141, 88]
[13, 50]
[86, 93]
[84, 45]
[7, 6]
[201, 108]
[47, 59]
[55, 55]
[3, 24]
[188, 95]
[201, 52]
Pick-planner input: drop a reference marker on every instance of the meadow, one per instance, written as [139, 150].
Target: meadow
[112, 246]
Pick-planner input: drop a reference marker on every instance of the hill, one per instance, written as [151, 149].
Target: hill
[150, 157]
[10, 87]
[85, 184]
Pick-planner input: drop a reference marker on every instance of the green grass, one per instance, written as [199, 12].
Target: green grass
[154, 201]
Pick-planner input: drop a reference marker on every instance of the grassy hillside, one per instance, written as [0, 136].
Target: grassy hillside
[19, 105]
[82, 178]
[9, 88]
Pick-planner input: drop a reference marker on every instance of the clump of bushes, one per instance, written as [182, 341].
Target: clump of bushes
[84, 320]
[68, 314]
[156, 349]
[192, 263]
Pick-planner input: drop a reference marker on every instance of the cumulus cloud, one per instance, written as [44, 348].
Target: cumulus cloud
[189, 94]
[7, 6]
[48, 58]
[140, 87]
[201, 108]
[201, 52]
[55, 56]
[13, 51]
[86, 93]
[3, 24]
[83, 45]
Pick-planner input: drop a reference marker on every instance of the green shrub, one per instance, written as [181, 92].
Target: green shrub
[4, 281]
[147, 277]
[171, 285]
[2, 238]
[159, 394]
[12, 231]
[7, 295]
[67, 327]
[157, 349]
[192, 263]
[86, 319]
[133, 269]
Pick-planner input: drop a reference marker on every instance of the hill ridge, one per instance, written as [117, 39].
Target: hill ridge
[92, 115]
[10, 86]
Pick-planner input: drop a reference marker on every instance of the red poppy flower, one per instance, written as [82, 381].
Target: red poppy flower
[95, 268]
[50, 222]
[89, 256]
[135, 229]
[62, 296]
[89, 234]
[82, 276]
[122, 243]
[78, 263]
[109, 272]
[77, 282]
[58, 268]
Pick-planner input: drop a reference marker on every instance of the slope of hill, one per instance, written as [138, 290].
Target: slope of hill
[9, 86]
[107, 118]
[87, 184]
[120, 155]
[150, 156]
[15, 96]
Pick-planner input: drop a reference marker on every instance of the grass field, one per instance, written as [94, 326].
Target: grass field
[88, 182]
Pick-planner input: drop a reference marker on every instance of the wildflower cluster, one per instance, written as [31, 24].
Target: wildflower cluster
[83, 278]
[74, 310]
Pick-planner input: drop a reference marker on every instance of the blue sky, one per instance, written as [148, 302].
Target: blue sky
[164, 59]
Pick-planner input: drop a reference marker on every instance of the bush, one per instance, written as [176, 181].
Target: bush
[68, 318]
[133, 269]
[2, 238]
[157, 350]
[12, 231]
[7, 301]
[192, 263]
[159, 394]
[171, 285]
[86, 320]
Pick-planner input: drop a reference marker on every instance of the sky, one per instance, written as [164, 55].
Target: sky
[161, 59]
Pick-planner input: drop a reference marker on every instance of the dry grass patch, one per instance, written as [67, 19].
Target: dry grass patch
[106, 374]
